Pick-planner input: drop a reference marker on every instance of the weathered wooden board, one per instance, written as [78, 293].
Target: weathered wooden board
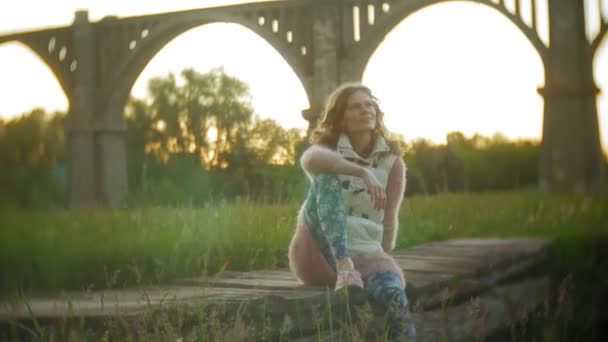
[461, 268]
[133, 301]
[470, 321]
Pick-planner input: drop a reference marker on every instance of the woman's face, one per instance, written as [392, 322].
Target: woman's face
[360, 114]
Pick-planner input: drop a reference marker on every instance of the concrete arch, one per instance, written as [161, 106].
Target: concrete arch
[598, 42]
[463, 79]
[161, 35]
[54, 66]
[45, 63]
[368, 45]
[600, 77]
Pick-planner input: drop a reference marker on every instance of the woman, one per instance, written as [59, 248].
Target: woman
[350, 218]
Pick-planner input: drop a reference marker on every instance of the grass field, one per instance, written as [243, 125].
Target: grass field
[45, 251]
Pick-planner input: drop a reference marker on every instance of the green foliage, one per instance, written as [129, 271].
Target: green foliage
[187, 185]
[32, 155]
[501, 214]
[48, 250]
[82, 249]
[207, 116]
[583, 254]
[198, 142]
[471, 164]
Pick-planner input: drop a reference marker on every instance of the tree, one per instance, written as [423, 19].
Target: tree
[202, 132]
[32, 155]
[272, 144]
[207, 116]
[471, 164]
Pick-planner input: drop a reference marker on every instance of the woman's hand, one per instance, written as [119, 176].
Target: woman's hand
[375, 188]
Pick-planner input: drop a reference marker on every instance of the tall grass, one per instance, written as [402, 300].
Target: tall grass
[503, 214]
[52, 250]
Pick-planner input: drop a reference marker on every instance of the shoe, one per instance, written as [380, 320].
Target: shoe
[349, 278]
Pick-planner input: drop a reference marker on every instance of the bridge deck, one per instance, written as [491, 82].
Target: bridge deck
[442, 278]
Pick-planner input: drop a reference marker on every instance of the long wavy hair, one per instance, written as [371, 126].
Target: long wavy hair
[331, 126]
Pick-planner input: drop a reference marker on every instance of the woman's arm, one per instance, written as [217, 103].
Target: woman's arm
[319, 159]
[395, 187]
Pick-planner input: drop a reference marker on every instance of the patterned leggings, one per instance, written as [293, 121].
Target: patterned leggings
[326, 217]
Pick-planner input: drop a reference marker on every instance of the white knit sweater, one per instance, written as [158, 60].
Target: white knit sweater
[364, 222]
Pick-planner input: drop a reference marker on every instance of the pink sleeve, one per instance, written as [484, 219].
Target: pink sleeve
[395, 188]
[318, 157]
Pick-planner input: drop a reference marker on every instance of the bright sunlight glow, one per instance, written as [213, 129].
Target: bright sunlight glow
[434, 79]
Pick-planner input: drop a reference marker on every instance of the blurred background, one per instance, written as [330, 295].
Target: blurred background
[215, 128]
[457, 82]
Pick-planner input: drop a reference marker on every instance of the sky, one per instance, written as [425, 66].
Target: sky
[453, 66]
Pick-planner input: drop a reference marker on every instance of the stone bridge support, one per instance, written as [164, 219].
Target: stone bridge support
[80, 124]
[571, 158]
[95, 129]
[111, 140]
[330, 65]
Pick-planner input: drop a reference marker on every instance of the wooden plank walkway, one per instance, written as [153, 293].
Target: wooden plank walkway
[442, 277]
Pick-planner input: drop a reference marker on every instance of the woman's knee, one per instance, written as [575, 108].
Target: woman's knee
[386, 287]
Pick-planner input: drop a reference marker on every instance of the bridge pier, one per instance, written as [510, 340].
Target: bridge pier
[95, 130]
[111, 139]
[571, 157]
[80, 132]
[331, 66]
[81, 165]
[325, 64]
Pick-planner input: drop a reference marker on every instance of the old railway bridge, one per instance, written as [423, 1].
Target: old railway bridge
[326, 42]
